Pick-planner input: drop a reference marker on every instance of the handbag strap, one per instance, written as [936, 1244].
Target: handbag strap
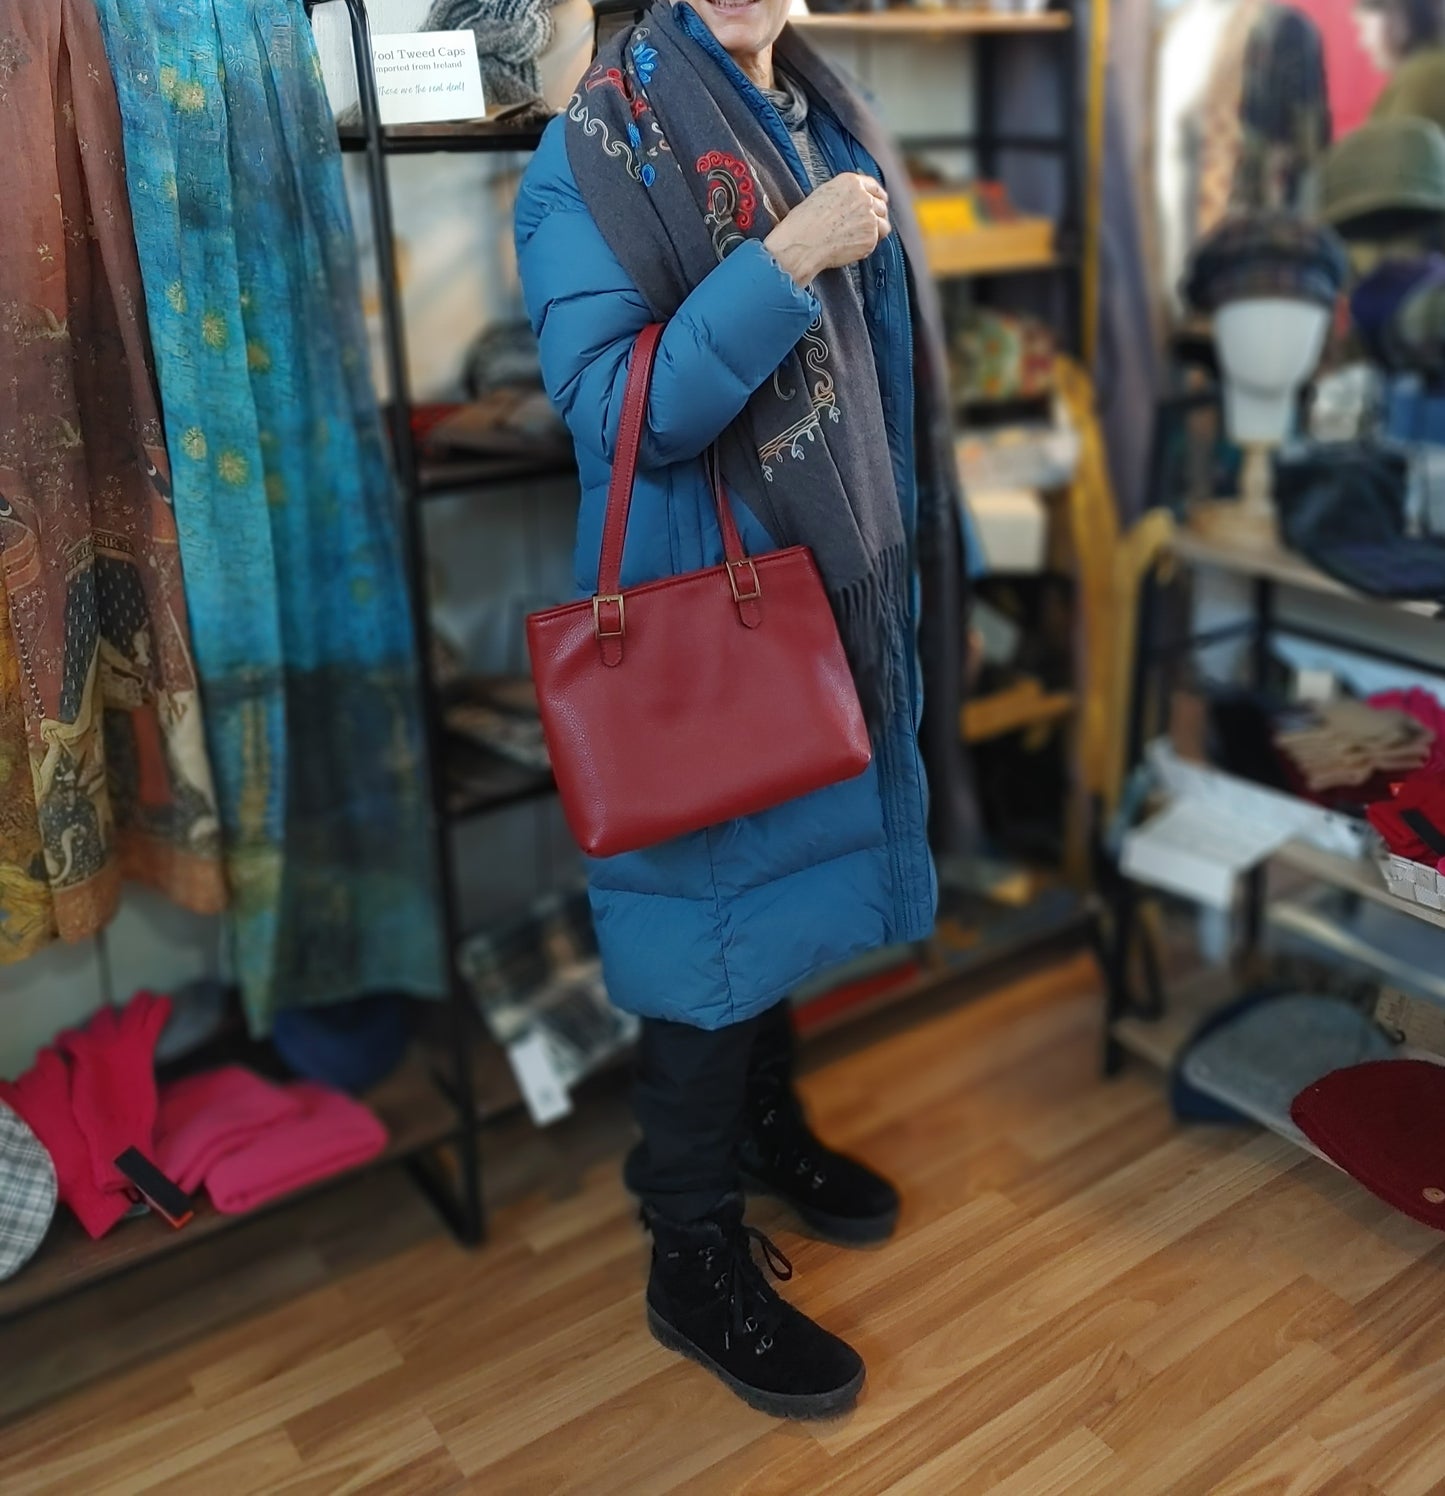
[608, 606]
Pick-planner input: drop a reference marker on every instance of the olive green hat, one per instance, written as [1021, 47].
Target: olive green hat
[1384, 176]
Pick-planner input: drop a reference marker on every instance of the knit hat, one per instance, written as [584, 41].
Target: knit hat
[1384, 1124]
[511, 36]
[28, 1193]
[352, 1045]
[1415, 337]
[1265, 255]
[1377, 299]
[1259, 1063]
[1385, 178]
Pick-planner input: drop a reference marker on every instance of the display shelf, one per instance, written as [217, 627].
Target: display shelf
[1273, 563]
[1013, 709]
[493, 783]
[462, 136]
[417, 1116]
[1355, 876]
[995, 249]
[919, 22]
[1159, 1041]
[451, 477]
[1323, 924]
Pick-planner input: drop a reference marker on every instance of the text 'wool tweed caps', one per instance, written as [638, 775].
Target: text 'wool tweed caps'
[28, 1193]
[1387, 166]
[1266, 254]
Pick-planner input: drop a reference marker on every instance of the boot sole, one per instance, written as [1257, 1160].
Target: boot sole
[777, 1404]
[839, 1231]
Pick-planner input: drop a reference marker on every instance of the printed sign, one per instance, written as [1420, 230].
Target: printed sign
[427, 76]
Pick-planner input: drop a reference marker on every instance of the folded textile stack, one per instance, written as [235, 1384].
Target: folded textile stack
[513, 422]
[88, 1099]
[1348, 743]
[249, 1141]
[499, 714]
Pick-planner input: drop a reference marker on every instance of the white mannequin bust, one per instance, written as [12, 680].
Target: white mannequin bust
[1268, 346]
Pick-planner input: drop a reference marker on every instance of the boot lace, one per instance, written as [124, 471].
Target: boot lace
[789, 1141]
[752, 1306]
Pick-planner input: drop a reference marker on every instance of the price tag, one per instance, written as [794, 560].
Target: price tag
[427, 76]
[536, 1073]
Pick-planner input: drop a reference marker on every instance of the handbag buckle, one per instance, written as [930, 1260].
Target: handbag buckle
[597, 629]
[733, 569]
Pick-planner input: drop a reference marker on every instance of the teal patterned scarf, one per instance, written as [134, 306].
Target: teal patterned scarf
[283, 498]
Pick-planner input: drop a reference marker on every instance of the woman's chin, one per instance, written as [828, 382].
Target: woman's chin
[740, 25]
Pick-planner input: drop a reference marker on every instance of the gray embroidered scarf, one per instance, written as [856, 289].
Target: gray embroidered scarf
[678, 170]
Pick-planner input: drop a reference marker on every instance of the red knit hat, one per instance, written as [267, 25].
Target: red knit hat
[1384, 1123]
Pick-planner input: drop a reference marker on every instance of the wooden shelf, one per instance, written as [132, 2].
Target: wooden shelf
[1356, 877]
[1273, 563]
[1159, 1041]
[417, 1116]
[994, 249]
[913, 22]
[1013, 709]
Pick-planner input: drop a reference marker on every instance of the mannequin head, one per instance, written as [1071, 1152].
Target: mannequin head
[1390, 30]
[1268, 346]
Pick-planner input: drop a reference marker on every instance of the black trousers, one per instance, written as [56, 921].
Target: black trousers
[691, 1101]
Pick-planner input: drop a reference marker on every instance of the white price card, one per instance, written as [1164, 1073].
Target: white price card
[428, 76]
[536, 1073]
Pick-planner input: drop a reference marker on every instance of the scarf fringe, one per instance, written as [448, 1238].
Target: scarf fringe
[874, 622]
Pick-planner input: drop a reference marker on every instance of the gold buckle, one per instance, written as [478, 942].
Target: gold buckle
[744, 597]
[597, 629]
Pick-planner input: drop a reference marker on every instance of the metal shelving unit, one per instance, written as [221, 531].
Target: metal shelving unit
[1131, 1018]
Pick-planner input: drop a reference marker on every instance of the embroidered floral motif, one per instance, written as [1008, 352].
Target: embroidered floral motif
[823, 401]
[732, 199]
[644, 58]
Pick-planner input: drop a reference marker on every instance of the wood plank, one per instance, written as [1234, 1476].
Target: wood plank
[1081, 1298]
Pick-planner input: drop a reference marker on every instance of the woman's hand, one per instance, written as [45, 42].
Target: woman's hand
[839, 224]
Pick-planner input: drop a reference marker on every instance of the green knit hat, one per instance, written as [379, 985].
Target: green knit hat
[1392, 168]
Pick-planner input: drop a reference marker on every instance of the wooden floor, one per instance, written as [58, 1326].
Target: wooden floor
[1082, 1297]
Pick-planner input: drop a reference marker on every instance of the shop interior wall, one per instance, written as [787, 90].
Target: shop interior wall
[492, 557]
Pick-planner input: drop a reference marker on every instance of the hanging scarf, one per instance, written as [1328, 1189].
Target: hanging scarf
[678, 170]
[283, 498]
[103, 766]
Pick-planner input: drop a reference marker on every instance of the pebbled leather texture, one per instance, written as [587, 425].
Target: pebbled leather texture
[696, 699]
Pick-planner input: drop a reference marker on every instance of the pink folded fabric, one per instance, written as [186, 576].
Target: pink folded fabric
[331, 1134]
[112, 1063]
[205, 1117]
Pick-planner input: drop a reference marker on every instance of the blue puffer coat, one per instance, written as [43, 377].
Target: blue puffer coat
[717, 926]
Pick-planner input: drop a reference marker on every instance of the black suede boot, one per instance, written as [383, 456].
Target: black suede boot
[708, 1299]
[837, 1198]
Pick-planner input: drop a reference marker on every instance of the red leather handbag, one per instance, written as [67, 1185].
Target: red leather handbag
[696, 699]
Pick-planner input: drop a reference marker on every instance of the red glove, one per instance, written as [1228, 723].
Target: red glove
[113, 1082]
[42, 1097]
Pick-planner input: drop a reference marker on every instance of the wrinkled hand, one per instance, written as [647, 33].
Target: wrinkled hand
[839, 224]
